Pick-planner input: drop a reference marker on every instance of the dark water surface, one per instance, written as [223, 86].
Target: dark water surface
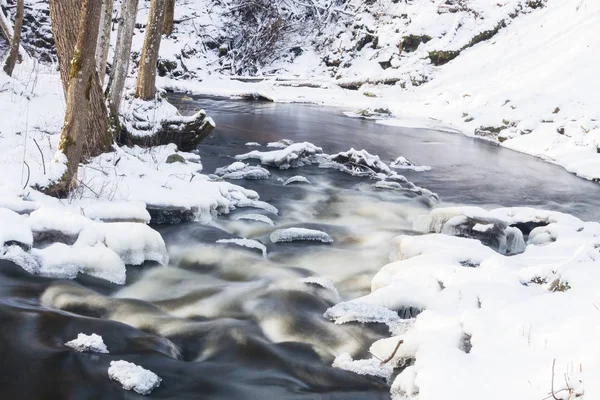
[222, 322]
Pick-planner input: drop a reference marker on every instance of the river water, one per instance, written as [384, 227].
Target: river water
[223, 322]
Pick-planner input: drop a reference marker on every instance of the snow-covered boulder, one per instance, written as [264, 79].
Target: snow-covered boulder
[292, 156]
[241, 170]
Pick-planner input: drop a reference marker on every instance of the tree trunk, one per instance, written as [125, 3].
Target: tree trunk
[13, 54]
[104, 39]
[81, 78]
[65, 18]
[169, 17]
[146, 79]
[120, 66]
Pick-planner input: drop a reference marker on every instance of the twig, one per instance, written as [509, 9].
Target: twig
[28, 174]
[552, 387]
[42, 154]
[394, 353]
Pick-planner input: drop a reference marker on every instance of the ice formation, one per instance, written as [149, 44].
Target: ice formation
[241, 170]
[249, 243]
[299, 234]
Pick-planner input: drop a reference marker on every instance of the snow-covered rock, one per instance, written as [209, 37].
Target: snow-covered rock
[14, 228]
[88, 343]
[240, 170]
[404, 163]
[299, 234]
[253, 217]
[292, 156]
[133, 377]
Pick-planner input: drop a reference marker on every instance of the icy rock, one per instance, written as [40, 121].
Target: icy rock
[322, 282]
[295, 155]
[387, 185]
[133, 377]
[92, 343]
[296, 179]
[249, 243]
[14, 229]
[57, 225]
[404, 163]
[134, 243]
[299, 234]
[253, 217]
[372, 366]
[253, 144]
[240, 170]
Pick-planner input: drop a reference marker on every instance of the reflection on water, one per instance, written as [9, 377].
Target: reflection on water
[224, 322]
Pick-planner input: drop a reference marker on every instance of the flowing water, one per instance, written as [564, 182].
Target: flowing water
[224, 322]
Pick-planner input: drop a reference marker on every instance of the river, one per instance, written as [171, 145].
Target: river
[223, 322]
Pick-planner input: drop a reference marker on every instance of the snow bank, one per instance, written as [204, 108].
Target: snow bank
[133, 377]
[88, 343]
[299, 234]
[292, 156]
[487, 317]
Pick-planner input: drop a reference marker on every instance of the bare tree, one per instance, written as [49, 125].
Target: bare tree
[82, 76]
[169, 17]
[13, 53]
[120, 65]
[146, 79]
[104, 38]
[65, 15]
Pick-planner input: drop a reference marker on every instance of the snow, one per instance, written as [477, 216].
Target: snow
[296, 179]
[253, 217]
[253, 144]
[249, 243]
[240, 170]
[280, 144]
[133, 377]
[14, 228]
[299, 234]
[88, 343]
[292, 156]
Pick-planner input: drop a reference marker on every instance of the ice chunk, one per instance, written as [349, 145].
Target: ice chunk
[404, 163]
[240, 170]
[371, 366]
[93, 343]
[356, 311]
[13, 228]
[298, 234]
[263, 205]
[62, 261]
[295, 155]
[253, 217]
[133, 377]
[296, 179]
[253, 144]
[20, 257]
[252, 244]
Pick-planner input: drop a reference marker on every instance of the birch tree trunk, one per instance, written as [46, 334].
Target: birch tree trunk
[104, 38]
[169, 17]
[146, 79]
[120, 65]
[13, 53]
[65, 16]
[82, 76]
